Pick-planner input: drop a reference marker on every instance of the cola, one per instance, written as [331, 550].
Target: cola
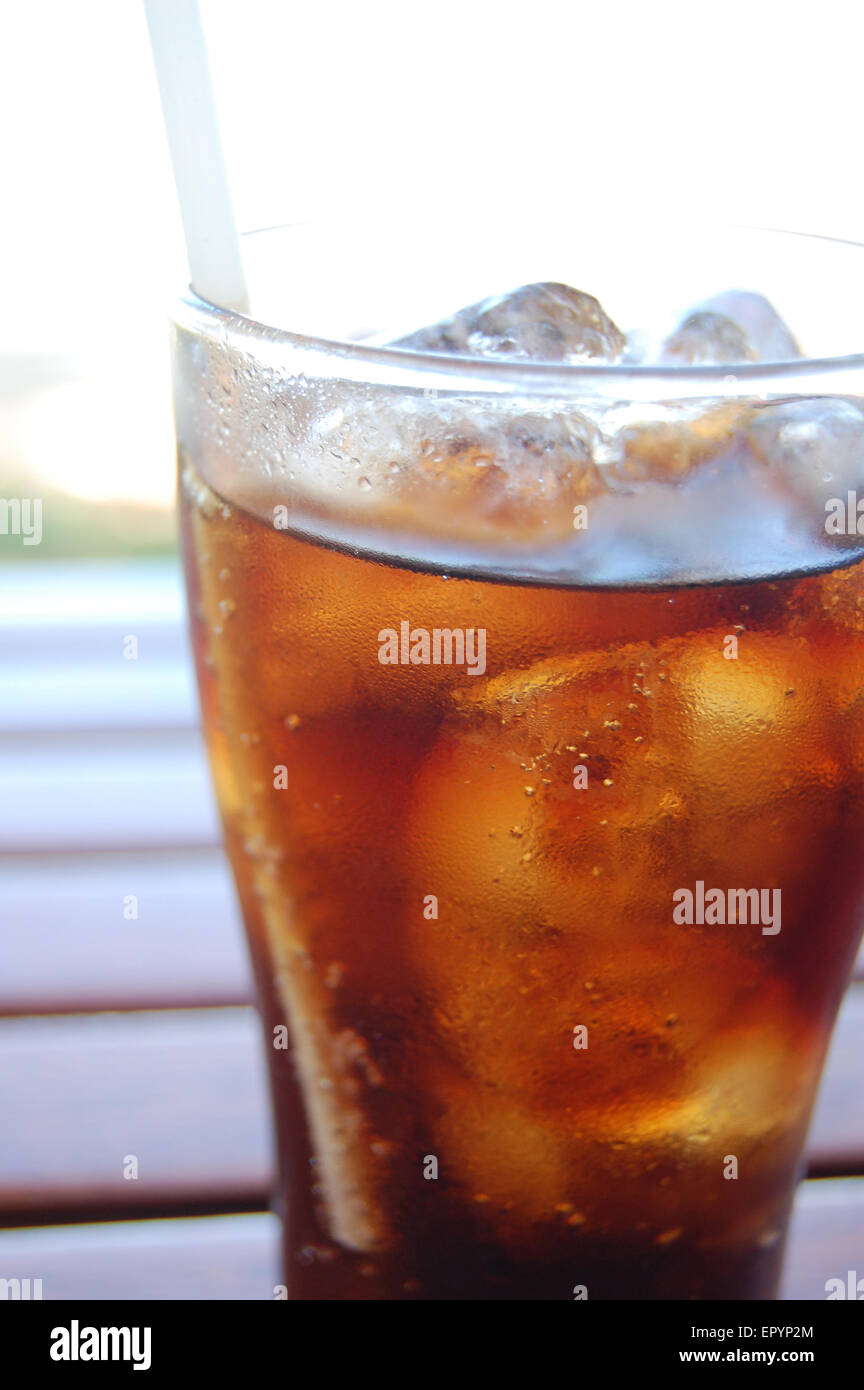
[547, 838]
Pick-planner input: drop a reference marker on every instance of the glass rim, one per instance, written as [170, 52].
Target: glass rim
[381, 364]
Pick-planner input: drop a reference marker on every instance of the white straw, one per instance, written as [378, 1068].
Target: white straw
[189, 108]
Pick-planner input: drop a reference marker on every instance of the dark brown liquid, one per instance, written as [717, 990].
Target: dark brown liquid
[450, 1037]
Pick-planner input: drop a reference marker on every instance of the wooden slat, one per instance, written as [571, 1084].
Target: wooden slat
[109, 791]
[826, 1236]
[65, 945]
[837, 1129]
[217, 1257]
[182, 1091]
[185, 1092]
[237, 1257]
[81, 611]
[98, 752]
[72, 697]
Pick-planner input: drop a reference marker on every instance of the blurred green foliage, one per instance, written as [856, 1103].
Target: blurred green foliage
[73, 528]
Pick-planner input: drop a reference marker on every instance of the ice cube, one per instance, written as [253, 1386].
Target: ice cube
[516, 1167]
[706, 338]
[542, 881]
[663, 444]
[740, 748]
[548, 467]
[502, 470]
[816, 446]
[542, 323]
[735, 326]
[757, 317]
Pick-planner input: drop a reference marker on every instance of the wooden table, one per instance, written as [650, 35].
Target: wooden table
[128, 1036]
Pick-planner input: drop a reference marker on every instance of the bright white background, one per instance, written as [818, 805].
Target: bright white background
[748, 111]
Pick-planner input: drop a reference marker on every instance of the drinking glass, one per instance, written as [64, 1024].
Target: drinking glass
[534, 699]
